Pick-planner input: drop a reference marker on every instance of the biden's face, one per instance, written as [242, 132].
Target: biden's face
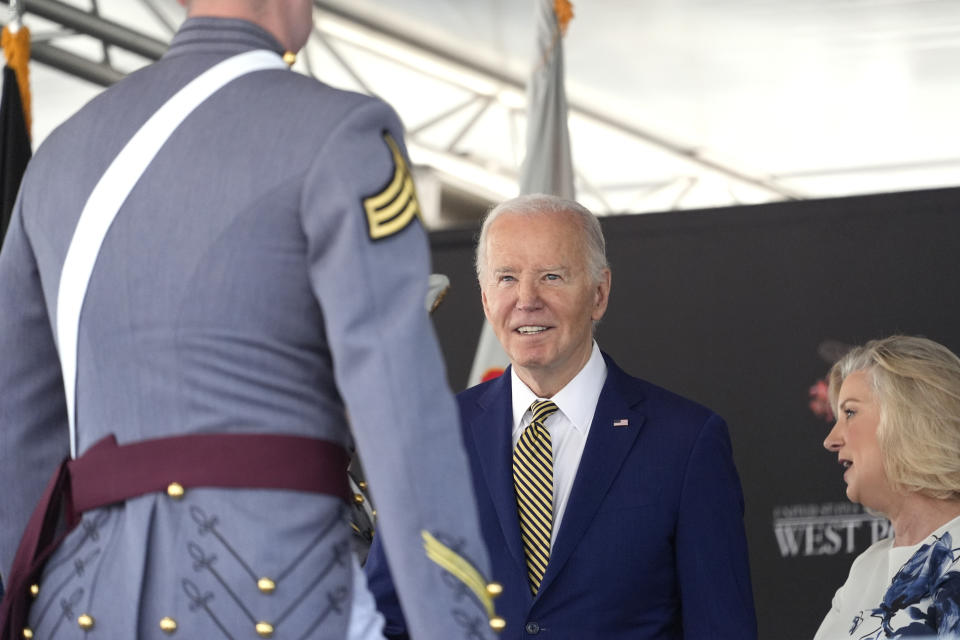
[540, 297]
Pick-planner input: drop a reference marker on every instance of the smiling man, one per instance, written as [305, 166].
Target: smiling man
[611, 507]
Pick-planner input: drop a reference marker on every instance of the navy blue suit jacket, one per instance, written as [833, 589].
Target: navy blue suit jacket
[652, 543]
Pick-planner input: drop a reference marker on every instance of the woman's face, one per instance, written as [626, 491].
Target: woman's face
[854, 440]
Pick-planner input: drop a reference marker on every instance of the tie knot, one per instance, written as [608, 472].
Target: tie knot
[542, 409]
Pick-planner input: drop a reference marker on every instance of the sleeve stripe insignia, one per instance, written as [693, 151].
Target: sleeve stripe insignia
[460, 568]
[396, 205]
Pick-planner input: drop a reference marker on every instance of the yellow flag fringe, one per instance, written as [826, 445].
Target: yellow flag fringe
[16, 47]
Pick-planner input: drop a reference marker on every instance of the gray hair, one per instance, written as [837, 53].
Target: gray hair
[595, 247]
[917, 384]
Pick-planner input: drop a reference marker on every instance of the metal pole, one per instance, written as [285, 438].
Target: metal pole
[690, 154]
[94, 72]
[109, 32]
[16, 16]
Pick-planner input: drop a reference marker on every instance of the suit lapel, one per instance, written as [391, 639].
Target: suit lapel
[491, 429]
[606, 449]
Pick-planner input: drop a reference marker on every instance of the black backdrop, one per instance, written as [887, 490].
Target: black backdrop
[735, 308]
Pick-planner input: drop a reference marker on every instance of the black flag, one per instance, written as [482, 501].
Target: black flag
[14, 146]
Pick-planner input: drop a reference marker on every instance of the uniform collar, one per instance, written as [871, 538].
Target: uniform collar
[221, 35]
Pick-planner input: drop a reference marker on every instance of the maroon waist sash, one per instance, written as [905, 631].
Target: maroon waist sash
[108, 474]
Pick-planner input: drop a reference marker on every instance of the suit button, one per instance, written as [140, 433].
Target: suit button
[532, 628]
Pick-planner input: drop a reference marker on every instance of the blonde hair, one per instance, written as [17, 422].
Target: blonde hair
[917, 384]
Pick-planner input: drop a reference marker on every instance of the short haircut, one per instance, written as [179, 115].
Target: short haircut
[595, 247]
[917, 384]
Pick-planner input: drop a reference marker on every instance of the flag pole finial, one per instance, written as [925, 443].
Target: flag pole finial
[564, 12]
[16, 47]
[16, 16]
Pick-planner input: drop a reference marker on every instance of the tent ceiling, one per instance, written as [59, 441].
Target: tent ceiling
[674, 103]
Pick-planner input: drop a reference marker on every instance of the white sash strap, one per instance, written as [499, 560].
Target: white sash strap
[112, 190]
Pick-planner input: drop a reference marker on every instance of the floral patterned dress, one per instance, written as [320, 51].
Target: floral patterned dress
[900, 592]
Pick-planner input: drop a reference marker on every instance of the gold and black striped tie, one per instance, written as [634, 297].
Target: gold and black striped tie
[533, 481]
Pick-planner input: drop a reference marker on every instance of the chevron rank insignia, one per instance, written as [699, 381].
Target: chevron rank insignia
[393, 208]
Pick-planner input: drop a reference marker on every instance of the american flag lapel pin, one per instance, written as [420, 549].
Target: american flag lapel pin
[622, 422]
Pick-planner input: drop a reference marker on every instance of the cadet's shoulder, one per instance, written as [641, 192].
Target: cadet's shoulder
[301, 87]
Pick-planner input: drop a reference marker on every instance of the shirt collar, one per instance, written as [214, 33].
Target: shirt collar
[577, 400]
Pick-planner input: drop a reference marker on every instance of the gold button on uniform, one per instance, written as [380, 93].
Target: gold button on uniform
[289, 57]
[264, 629]
[34, 590]
[168, 625]
[175, 490]
[494, 589]
[358, 498]
[27, 633]
[497, 623]
[85, 621]
[266, 585]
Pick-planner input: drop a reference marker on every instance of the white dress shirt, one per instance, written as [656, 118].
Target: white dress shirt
[569, 426]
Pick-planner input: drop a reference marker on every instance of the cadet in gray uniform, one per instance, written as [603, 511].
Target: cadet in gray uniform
[265, 276]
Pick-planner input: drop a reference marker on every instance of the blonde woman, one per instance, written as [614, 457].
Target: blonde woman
[897, 437]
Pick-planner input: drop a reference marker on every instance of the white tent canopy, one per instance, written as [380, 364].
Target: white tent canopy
[675, 104]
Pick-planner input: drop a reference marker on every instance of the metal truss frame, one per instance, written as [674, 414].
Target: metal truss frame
[72, 21]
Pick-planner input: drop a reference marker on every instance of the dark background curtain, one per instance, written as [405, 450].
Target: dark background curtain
[742, 309]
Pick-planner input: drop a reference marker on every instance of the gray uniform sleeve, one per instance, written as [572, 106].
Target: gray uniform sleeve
[370, 278]
[33, 418]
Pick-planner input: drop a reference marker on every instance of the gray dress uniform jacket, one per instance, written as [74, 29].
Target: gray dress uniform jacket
[242, 288]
